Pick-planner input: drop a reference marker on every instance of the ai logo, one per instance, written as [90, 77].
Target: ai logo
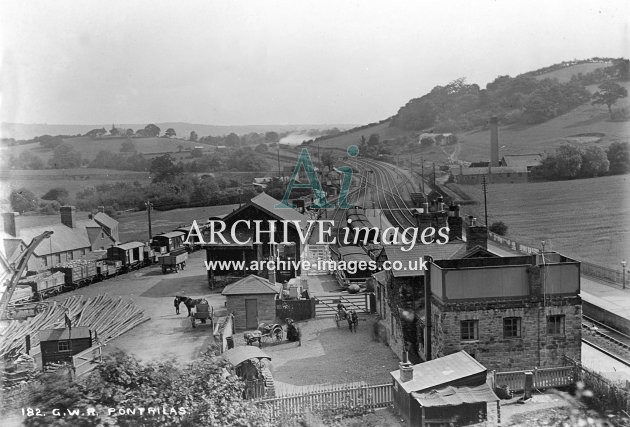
[314, 184]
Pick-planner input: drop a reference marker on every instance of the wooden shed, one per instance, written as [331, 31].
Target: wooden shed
[59, 345]
[252, 300]
[171, 241]
[450, 390]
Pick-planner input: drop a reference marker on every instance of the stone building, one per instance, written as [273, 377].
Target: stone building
[251, 300]
[508, 313]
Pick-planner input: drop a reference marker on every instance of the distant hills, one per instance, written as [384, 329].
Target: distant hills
[28, 131]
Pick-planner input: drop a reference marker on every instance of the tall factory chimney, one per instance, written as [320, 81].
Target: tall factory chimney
[494, 141]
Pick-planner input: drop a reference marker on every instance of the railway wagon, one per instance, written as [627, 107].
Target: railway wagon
[195, 244]
[130, 255]
[352, 256]
[44, 284]
[171, 241]
[78, 273]
[174, 261]
[108, 268]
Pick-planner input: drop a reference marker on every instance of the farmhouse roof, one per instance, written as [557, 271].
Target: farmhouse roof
[437, 252]
[63, 333]
[443, 370]
[106, 220]
[250, 285]
[455, 396]
[63, 239]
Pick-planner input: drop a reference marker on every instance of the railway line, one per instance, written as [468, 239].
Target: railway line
[606, 339]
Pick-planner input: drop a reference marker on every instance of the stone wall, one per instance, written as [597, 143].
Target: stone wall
[495, 351]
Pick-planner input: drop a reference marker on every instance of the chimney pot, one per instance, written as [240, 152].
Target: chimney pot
[8, 223]
[406, 372]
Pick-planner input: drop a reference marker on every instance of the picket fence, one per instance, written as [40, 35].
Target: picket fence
[338, 396]
[543, 378]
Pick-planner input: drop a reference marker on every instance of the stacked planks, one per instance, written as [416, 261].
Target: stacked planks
[107, 316]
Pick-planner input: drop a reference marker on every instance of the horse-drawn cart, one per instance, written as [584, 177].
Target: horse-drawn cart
[267, 332]
[201, 313]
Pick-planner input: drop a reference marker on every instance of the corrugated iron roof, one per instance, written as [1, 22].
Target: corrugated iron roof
[250, 285]
[106, 220]
[454, 396]
[440, 371]
[238, 355]
[437, 252]
[130, 245]
[171, 234]
[63, 333]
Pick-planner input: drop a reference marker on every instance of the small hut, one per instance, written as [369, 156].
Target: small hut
[450, 390]
[252, 300]
[59, 345]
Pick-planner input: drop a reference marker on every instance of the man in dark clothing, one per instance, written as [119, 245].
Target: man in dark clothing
[176, 304]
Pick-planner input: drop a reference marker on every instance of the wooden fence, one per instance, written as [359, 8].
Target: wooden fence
[339, 396]
[295, 309]
[543, 378]
[87, 360]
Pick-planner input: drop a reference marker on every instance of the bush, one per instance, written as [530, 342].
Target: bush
[499, 228]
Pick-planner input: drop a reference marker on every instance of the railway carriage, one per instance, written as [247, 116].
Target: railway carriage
[131, 255]
[170, 241]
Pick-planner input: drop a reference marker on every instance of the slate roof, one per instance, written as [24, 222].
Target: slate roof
[444, 370]
[63, 333]
[454, 396]
[106, 220]
[63, 239]
[437, 252]
[171, 234]
[250, 285]
[268, 204]
[484, 171]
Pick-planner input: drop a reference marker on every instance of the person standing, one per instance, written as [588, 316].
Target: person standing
[176, 304]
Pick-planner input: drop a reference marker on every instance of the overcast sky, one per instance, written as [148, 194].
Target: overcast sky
[276, 62]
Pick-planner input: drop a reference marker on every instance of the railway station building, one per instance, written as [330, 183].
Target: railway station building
[263, 208]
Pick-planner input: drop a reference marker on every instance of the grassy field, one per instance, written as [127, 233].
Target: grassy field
[134, 225]
[89, 147]
[73, 180]
[564, 75]
[588, 219]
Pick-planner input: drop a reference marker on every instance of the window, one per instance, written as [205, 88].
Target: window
[64, 346]
[555, 324]
[511, 327]
[45, 261]
[469, 330]
[57, 258]
[70, 255]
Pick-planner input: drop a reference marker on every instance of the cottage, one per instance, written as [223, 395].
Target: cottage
[252, 300]
[451, 390]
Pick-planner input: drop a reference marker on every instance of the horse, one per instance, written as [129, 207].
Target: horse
[353, 320]
[188, 302]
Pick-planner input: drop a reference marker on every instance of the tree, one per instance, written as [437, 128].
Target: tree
[594, 162]
[568, 161]
[47, 141]
[232, 140]
[196, 153]
[23, 200]
[499, 228]
[272, 137]
[128, 147]
[170, 133]
[619, 157]
[163, 169]
[129, 132]
[65, 157]
[28, 160]
[261, 148]
[608, 94]
[59, 194]
[328, 160]
[193, 136]
[151, 130]
[95, 133]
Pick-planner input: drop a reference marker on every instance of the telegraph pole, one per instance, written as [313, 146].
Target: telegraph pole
[149, 206]
[422, 177]
[485, 199]
[279, 170]
[433, 174]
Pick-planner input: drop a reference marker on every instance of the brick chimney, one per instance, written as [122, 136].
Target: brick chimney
[455, 223]
[8, 223]
[67, 215]
[494, 141]
[406, 369]
[476, 235]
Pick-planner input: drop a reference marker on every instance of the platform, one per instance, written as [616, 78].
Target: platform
[607, 304]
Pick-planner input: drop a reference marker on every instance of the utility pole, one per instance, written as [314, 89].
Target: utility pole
[279, 170]
[422, 177]
[149, 206]
[485, 200]
[433, 174]
[623, 267]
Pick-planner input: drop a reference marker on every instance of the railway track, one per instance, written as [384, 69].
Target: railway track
[609, 341]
